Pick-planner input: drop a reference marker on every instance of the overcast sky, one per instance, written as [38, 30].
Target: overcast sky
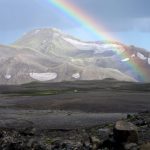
[129, 20]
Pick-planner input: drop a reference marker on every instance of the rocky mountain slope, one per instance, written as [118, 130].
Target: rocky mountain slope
[51, 55]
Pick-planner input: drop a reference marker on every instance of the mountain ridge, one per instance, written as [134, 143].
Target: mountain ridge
[49, 55]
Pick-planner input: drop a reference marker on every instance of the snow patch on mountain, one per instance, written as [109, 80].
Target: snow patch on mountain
[126, 59]
[81, 45]
[43, 76]
[99, 48]
[141, 56]
[149, 61]
[7, 76]
[58, 32]
[36, 31]
[76, 75]
[44, 41]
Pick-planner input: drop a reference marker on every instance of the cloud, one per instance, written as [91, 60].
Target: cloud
[116, 15]
[142, 24]
[26, 14]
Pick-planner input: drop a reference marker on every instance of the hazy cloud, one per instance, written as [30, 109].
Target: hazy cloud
[117, 15]
[142, 24]
[128, 19]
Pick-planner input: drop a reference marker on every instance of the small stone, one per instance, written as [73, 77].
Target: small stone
[28, 131]
[140, 123]
[130, 146]
[95, 142]
[56, 143]
[129, 116]
[94, 139]
[30, 142]
[79, 145]
[87, 145]
[125, 132]
[104, 133]
[75, 91]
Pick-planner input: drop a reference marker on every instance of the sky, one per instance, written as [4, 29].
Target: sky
[128, 20]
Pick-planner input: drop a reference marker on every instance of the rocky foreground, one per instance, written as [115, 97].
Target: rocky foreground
[132, 133]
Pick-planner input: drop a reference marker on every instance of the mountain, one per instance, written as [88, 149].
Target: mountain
[24, 65]
[47, 41]
[17, 63]
[49, 55]
[100, 54]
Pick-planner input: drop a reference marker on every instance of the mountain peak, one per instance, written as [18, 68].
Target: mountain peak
[85, 59]
[46, 30]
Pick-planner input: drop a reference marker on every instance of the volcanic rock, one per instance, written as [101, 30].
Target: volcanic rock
[125, 132]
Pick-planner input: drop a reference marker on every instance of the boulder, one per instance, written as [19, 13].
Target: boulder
[145, 146]
[125, 132]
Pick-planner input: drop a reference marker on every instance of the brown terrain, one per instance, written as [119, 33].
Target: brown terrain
[72, 104]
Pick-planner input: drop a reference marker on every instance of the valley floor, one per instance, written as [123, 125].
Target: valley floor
[69, 106]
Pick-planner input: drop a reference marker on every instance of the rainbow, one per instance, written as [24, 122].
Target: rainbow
[90, 24]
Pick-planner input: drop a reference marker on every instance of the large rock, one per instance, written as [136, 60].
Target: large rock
[145, 146]
[125, 132]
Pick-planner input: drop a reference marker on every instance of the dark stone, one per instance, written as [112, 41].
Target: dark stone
[125, 132]
[28, 132]
[104, 133]
[111, 144]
